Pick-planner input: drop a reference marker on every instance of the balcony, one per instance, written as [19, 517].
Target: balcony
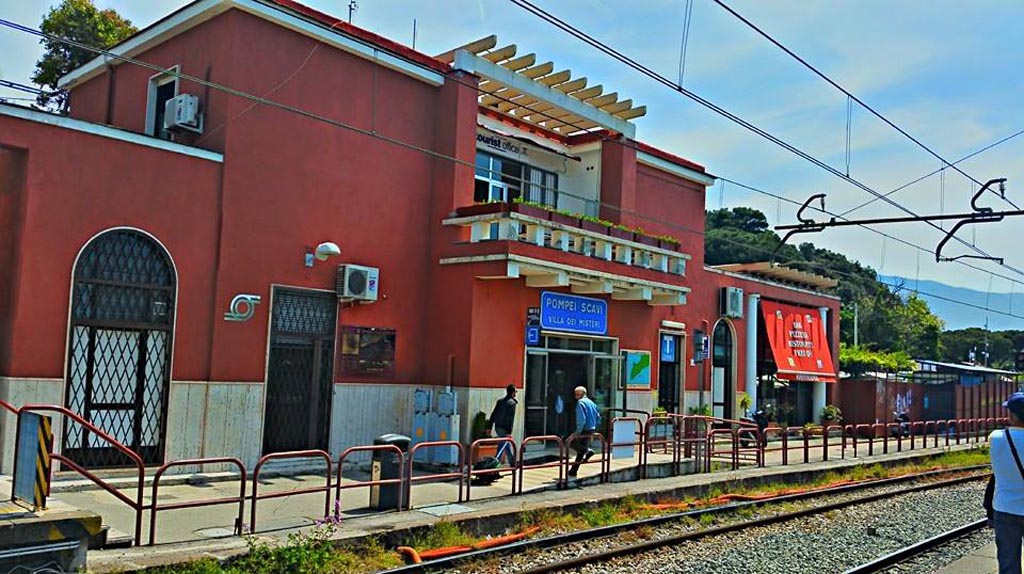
[552, 249]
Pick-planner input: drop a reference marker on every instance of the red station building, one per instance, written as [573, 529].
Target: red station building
[203, 274]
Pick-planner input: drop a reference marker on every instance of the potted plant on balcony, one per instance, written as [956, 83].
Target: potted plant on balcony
[481, 208]
[565, 218]
[530, 208]
[621, 231]
[594, 224]
[640, 236]
[668, 242]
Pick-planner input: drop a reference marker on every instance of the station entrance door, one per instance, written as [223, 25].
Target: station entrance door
[556, 367]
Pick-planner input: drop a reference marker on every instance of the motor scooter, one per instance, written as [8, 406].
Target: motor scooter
[904, 429]
[759, 419]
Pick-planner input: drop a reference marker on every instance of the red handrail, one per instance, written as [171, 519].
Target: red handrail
[521, 461]
[9, 407]
[461, 474]
[474, 446]
[326, 489]
[240, 499]
[671, 441]
[368, 448]
[139, 464]
[605, 463]
[637, 442]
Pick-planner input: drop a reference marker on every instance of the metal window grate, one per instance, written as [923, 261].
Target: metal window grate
[119, 360]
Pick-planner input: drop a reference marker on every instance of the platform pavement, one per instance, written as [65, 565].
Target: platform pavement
[283, 514]
[432, 502]
[981, 561]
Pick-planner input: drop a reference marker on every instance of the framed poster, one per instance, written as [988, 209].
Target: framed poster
[638, 369]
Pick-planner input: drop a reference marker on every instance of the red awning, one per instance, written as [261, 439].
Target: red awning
[799, 345]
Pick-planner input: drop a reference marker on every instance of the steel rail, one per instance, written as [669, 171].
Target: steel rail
[648, 545]
[904, 554]
[605, 531]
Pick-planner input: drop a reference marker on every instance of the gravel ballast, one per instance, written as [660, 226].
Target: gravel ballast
[832, 542]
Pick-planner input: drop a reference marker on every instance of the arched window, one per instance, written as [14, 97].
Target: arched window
[118, 372]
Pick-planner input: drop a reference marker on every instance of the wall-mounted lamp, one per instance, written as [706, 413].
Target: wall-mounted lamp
[322, 252]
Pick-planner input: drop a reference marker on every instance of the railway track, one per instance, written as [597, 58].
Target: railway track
[908, 553]
[553, 544]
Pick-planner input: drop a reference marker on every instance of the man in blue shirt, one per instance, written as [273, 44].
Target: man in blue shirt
[1006, 447]
[587, 420]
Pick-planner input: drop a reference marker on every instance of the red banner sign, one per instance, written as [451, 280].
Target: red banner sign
[798, 341]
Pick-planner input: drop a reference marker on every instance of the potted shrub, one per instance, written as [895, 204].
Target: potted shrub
[478, 430]
[530, 208]
[745, 403]
[831, 415]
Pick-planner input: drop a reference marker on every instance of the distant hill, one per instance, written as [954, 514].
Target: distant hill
[942, 299]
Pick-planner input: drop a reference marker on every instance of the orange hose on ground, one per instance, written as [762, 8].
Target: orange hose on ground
[435, 553]
[411, 553]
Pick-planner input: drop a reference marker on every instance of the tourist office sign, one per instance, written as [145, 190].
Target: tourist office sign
[574, 314]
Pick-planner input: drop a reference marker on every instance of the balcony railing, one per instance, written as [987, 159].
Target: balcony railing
[504, 222]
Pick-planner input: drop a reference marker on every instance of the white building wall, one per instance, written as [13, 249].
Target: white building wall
[19, 392]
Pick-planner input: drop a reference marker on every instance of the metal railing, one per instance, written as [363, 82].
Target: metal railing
[433, 477]
[522, 467]
[382, 448]
[136, 505]
[295, 454]
[685, 434]
[240, 499]
[472, 472]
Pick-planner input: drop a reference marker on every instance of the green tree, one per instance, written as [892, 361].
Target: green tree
[81, 21]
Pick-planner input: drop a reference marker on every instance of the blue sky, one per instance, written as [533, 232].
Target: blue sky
[944, 70]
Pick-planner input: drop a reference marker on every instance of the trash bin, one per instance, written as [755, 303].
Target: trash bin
[386, 466]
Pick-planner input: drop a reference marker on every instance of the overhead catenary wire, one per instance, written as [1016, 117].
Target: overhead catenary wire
[850, 95]
[263, 100]
[414, 147]
[659, 78]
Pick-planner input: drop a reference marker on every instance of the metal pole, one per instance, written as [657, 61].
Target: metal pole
[856, 325]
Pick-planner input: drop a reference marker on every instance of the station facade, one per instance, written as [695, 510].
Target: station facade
[250, 279]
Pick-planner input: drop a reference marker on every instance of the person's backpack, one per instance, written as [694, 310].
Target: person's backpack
[486, 463]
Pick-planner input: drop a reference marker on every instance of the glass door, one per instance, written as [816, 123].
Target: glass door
[605, 371]
[536, 394]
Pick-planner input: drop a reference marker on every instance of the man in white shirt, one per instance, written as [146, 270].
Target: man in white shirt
[1006, 447]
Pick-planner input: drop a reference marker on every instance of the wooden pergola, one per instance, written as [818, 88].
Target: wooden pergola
[537, 94]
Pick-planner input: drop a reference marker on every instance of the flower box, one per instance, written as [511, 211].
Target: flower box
[594, 227]
[530, 210]
[646, 239]
[565, 219]
[481, 209]
[668, 245]
[620, 233]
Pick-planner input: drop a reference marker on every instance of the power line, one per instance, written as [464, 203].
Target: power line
[335, 123]
[263, 100]
[630, 62]
[941, 170]
[868, 228]
[836, 85]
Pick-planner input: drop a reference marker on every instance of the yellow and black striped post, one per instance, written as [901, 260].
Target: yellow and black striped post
[32, 459]
[43, 449]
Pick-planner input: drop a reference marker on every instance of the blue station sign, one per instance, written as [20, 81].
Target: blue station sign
[561, 312]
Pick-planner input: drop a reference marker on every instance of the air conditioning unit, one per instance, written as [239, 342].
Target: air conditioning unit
[182, 113]
[357, 283]
[732, 302]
